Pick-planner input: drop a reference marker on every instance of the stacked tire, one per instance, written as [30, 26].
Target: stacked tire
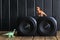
[27, 26]
[47, 26]
[42, 26]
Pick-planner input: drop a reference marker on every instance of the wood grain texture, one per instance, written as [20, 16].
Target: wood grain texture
[57, 37]
[51, 38]
[38, 38]
[27, 38]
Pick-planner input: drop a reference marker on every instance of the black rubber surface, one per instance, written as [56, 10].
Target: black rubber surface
[27, 26]
[47, 26]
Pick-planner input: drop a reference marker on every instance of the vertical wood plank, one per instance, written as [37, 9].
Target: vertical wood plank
[56, 12]
[48, 7]
[30, 7]
[58, 35]
[13, 13]
[18, 38]
[51, 38]
[0, 14]
[27, 38]
[38, 38]
[6, 38]
[21, 8]
[1, 38]
[5, 14]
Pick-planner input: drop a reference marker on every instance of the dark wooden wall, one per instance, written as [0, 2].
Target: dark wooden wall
[10, 10]
[56, 11]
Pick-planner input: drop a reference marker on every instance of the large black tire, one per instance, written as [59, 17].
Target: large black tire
[27, 26]
[47, 26]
